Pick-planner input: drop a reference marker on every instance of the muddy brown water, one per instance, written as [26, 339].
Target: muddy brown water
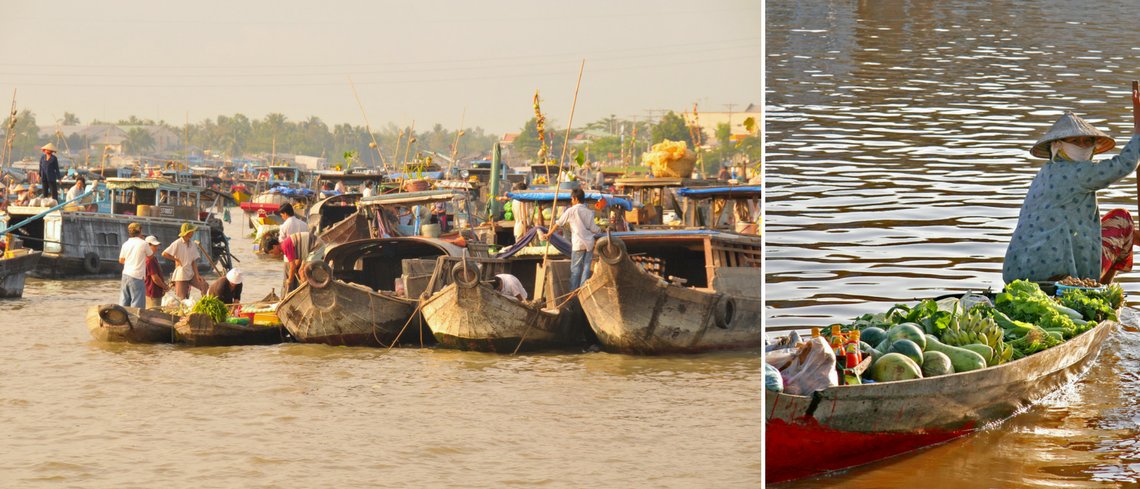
[76, 413]
[897, 160]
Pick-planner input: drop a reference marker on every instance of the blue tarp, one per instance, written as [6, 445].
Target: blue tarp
[295, 193]
[434, 175]
[565, 196]
[742, 190]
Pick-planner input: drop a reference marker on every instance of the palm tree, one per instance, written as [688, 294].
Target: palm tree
[139, 140]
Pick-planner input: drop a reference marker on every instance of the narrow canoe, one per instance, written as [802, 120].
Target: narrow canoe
[847, 426]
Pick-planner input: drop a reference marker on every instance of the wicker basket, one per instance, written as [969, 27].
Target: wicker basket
[417, 185]
[679, 168]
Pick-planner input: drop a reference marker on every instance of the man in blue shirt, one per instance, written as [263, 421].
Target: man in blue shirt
[49, 171]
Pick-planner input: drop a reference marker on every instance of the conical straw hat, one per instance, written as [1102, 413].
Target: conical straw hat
[1070, 125]
[49, 147]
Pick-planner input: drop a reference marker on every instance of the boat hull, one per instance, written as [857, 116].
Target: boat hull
[344, 314]
[479, 318]
[201, 330]
[139, 325]
[632, 311]
[13, 272]
[848, 426]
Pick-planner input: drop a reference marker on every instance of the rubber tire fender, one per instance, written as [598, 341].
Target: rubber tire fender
[469, 279]
[113, 314]
[724, 310]
[91, 263]
[318, 274]
[611, 250]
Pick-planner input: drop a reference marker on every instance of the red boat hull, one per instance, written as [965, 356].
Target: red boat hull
[804, 449]
[256, 206]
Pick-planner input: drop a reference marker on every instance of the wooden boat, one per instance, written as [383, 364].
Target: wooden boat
[337, 220]
[846, 426]
[363, 293]
[201, 330]
[686, 291]
[115, 323]
[85, 242]
[14, 268]
[468, 314]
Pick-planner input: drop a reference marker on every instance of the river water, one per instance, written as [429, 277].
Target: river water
[898, 136]
[76, 413]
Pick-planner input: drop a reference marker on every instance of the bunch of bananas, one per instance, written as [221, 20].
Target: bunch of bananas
[975, 327]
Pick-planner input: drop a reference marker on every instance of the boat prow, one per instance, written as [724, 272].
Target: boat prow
[118, 324]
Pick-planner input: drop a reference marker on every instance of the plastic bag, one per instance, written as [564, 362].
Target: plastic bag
[812, 369]
[772, 379]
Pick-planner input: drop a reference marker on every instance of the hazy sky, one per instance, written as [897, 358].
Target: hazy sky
[411, 59]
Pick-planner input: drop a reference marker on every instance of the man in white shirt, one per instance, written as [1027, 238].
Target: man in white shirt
[580, 218]
[76, 190]
[292, 225]
[133, 258]
[184, 253]
[366, 192]
[509, 286]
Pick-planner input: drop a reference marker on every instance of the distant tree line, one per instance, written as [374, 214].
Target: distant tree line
[611, 140]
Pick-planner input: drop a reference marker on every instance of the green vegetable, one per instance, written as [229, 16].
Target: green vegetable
[213, 307]
[985, 351]
[908, 348]
[1088, 306]
[935, 363]
[908, 331]
[895, 366]
[962, 359]
[873, 335]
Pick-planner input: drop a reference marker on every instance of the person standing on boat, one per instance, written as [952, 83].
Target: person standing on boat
[132, 256]
[1060, 231]
[295, 247]
[580, 218]
[292, 224]
[366, 192]
[185, 256]
[49, 171]
[156, 286]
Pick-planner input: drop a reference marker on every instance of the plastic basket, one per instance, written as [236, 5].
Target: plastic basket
[1061, 289]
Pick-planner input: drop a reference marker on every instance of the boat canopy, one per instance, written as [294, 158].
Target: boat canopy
[148, 184]
[547, 196]
[434, 175]
[741, 191]
[414, 197]
[660, 182]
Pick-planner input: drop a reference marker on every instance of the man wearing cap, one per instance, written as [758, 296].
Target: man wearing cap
[1060, 231]
[156, 286]
[227, 287]
[133, 256]
[49, 171]
[292, 224]
[185, 256]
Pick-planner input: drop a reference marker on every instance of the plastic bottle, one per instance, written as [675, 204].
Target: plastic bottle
[852, 358]
[837, 347]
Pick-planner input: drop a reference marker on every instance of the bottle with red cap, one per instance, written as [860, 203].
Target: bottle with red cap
[852, 358]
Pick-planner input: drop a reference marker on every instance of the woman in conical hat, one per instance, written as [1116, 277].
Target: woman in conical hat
[1060, 231]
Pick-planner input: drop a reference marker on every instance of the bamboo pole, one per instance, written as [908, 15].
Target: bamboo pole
[455, 145]
[411, 138]
[367, 125]
[6, 151]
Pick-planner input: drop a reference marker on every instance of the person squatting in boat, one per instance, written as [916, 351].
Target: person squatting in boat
[1059, 230]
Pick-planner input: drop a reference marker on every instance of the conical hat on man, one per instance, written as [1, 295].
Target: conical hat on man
[1068, 126]
[49, 147]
